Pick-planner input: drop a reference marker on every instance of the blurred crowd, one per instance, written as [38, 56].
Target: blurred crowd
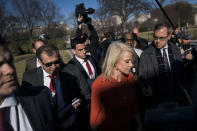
[109, 84]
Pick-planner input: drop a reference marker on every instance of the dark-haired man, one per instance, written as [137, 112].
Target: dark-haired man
[64, 86]
[32, 62]
[24, 110]
[50, 61]
[84, 62]
[188, 54]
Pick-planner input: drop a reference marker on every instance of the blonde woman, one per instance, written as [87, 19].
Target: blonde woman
[114, 104]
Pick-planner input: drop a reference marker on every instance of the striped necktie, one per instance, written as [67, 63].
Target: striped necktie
[165, 59]
[88, 67]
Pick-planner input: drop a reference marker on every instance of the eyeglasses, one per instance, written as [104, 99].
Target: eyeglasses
[51, 63]
[159, 38]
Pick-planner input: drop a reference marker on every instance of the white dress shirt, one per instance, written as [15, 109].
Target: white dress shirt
[11, 114]
[37, 63]
[166, 53]
[138, 52]
[83, 63]
[57, 83]
[46, 78]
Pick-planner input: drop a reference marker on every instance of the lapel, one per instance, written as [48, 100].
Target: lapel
[33, 114]
[39, 76]
[31, 63]
[80, 67]
[92, 62]
[67, 87]
[34, 64]
[154, 61]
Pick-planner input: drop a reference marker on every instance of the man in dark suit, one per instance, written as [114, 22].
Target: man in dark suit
[32, 62]
[24, 110]
[51, 63]
[161, 71]
[65, 87]
[84, 62]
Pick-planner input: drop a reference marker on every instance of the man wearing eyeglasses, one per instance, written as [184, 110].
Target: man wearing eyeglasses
[129, 39]
[51, 63]
[160, 71]
[64, 86]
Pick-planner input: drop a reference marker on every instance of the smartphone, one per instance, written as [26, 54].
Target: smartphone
[74, 101]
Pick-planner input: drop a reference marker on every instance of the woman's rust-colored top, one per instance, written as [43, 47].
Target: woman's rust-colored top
[113, 104]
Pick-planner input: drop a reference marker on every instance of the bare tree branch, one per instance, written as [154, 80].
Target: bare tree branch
[124, 8]
[36, 12]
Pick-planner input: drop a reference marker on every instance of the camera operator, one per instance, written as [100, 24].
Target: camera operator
[92, 42]
[188, 54]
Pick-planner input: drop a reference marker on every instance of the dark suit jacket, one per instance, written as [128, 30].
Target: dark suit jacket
[148, 73]
[83, 92]
[75, 62]
[69, 82]
[30, 63]
[36, 103]
[33, 77]
[73, 86]
[143, 43]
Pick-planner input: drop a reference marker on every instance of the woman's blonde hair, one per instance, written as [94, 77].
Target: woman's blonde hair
[114, 53]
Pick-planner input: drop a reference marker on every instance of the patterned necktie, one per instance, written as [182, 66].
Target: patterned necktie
[165, 59]
[52, 84]
[89, 68]
[4, 125]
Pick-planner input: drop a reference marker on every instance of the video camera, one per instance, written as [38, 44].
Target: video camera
[80, 9]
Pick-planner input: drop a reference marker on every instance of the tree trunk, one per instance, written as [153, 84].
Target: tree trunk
[31, 31]
[124, 27]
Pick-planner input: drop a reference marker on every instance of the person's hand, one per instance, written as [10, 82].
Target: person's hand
[103, 39]
[182, 51]
[189, 56]
[80, 19]
[76, 105]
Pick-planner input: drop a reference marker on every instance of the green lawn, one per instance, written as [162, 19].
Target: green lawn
[19, 62]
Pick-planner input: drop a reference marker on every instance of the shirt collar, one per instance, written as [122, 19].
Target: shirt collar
[166, 47]
[79, 59]
[37, 62]
[45, 74]
[9, 101]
